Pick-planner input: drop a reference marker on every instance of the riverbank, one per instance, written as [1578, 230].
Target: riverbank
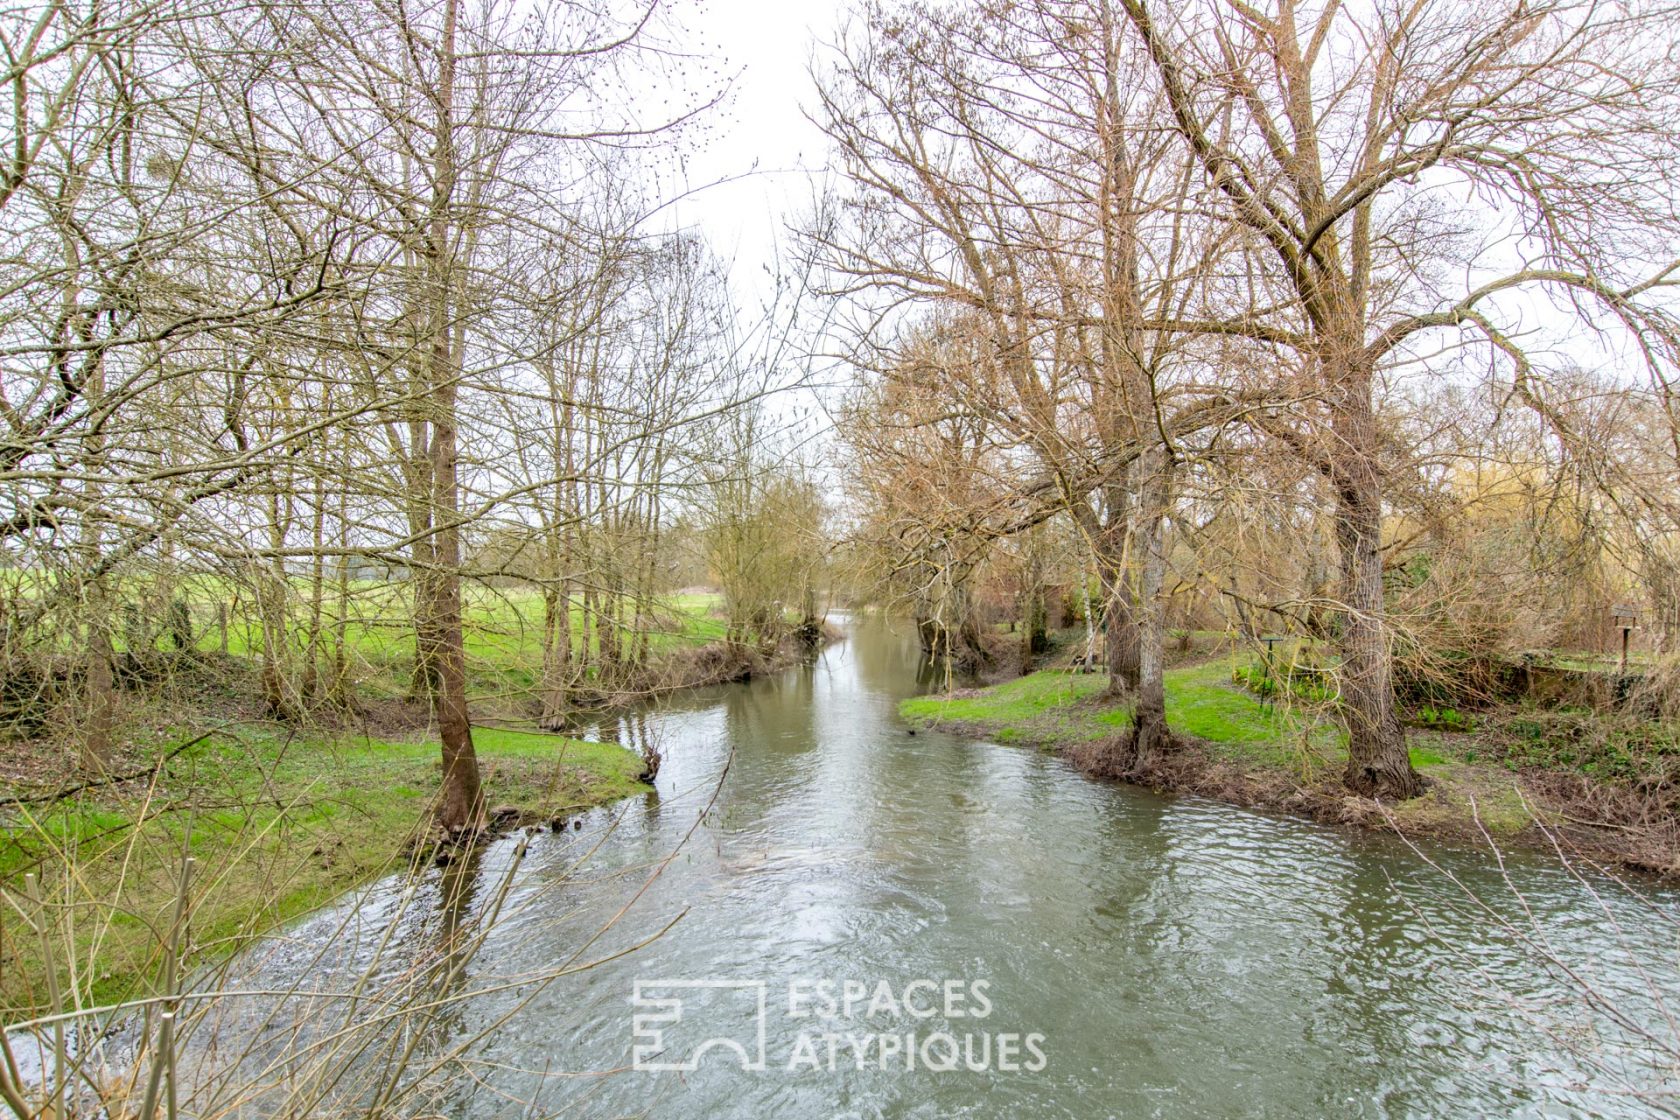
[278, 824]
[700, 666]
[1151, 939]
[1238, 748]
[281, 816]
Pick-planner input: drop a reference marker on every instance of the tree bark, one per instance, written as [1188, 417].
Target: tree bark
[1110, 538]
[1378, 762]
[423, 683]
[1121, 638]
[101, 686]
[461, 801]
[279, 694]
[557, 655]
[1151, 737]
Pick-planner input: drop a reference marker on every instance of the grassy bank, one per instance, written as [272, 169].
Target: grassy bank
[278, 824]
[1054, 707]
[1505, 778]
[284, 817]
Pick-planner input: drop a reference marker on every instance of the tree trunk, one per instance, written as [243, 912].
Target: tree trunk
[1035, 625]
[272, 589]
[1033, 610]
[313, 689]
[947, 622]
[101, 687]
[461, 802]
[423, 683]
[1112, 539]
[341, 691]
[276, 689]
[1150, 736]
[557, 656]
[461, 805]
[931, 634]
[1121, 637]
[1378, 763]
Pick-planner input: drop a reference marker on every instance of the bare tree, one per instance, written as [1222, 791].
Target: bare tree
[1330, 132]
[1011, 164]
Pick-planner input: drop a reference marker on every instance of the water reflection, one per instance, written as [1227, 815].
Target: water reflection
[1180, 958]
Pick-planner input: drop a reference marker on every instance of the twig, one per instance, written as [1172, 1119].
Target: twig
[114, 779]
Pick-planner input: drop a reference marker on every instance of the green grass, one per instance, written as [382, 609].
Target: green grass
[1048, 704]
[502, 630]
[280, 823]
[1202, 702]
[279, 826]
[1424, 757]
[502, 627]
[1054, 707]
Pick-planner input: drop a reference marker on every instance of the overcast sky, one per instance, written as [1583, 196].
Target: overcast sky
[762, 143]
[757, 164]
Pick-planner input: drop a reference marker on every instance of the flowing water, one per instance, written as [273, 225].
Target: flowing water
[1168, 956]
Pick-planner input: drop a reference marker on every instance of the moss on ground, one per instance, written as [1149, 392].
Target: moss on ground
[1485, 797]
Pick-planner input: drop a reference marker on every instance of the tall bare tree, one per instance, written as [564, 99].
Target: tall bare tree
[1335, 135]
[1009, 162]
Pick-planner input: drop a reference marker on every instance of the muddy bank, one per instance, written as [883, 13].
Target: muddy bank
[1466, 804]
[720, 663]
[715, 663]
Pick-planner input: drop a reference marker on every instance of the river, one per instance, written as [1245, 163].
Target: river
[1104, 951]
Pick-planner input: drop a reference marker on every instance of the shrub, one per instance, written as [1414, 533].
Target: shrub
[1641, 752]
[1445, 719]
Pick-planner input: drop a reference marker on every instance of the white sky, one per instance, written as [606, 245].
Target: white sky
[759, 162]
[761, 140]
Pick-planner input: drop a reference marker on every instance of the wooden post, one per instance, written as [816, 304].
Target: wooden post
[1270, 699]
[1625, 616]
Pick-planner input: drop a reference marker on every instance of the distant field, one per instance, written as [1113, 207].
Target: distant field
[503, 625]
[503, 628]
